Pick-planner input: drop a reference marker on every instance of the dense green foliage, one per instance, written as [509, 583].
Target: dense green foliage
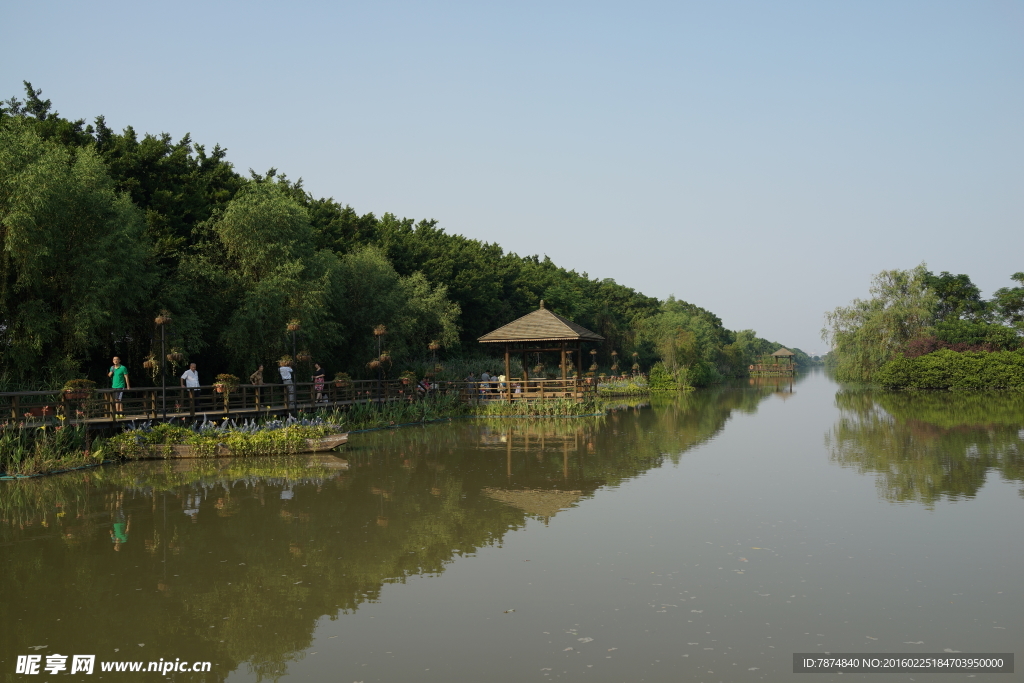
[924, 330]
[947, 369]
[103, 230]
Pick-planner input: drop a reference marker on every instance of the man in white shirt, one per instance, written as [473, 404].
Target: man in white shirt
[190, 380]
[286, 377]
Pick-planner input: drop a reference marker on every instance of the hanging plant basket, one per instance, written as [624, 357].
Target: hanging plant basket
[294, 325]
[380, 330]
[163, 319]
[303, 356]
[434, 345]
[175, 357]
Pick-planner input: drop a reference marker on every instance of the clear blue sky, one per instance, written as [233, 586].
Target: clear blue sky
[759, 159]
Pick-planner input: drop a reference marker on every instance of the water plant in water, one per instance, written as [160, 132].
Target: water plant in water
[32, 450]
[245, 438]
[557, 407]
[630, 386]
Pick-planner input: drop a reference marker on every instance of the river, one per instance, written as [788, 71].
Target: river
[701, 537]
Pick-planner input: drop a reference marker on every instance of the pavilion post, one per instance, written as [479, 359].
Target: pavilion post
[508, 375]
[563, 364]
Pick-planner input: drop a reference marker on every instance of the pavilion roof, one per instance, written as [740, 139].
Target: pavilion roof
[541, 325]
[783, 352]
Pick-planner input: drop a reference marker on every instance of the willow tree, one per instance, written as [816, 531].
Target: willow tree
[870, 332]
[75, 260]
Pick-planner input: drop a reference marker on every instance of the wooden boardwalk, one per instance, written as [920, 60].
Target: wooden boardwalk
[101, 407]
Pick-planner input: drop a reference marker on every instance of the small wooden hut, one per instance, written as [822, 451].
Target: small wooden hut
[784, 354]
[541, 331]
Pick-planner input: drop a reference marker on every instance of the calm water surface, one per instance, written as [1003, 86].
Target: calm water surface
[702, 538]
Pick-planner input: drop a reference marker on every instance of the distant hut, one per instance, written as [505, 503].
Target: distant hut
[784, 354]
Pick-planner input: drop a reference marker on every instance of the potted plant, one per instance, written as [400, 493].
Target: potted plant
[303, 356]
[78, 389]
[164, 318]
[286, 361]
[408, 377]
[175, 356]
[225, 383]
[342, 380]
[294, 325]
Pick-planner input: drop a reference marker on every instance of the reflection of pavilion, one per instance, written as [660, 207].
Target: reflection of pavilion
[538, 441]
[782, 385]
[538, 502]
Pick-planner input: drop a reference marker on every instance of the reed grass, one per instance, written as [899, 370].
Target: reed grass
[362, 416]
[631, 386]
[34, 450]
[552, 407]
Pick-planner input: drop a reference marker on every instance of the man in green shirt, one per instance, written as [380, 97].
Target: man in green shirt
[119, 380]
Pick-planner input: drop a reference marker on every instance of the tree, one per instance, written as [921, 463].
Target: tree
[1008, 302]
[868, 333]
[75, 266]
[957, 297]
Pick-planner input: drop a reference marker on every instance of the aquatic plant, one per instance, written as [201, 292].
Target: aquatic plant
[552, 407]
[33, 449]
[246, 438]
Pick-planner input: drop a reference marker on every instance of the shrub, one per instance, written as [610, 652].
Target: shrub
[948, 369]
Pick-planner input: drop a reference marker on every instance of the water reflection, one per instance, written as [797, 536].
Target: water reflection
[235, 561]
[925, 447]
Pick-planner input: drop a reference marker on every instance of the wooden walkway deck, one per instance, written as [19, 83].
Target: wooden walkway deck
[101, 407]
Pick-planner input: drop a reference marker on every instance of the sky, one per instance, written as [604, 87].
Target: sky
[759, 159]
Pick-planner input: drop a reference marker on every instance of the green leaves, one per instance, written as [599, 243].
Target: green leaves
[868, 333]
[75, 259]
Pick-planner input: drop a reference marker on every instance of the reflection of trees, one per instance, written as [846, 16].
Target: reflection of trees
[928, 446]
[276, 545]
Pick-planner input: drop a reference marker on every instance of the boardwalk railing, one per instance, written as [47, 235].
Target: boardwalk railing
[115, 405]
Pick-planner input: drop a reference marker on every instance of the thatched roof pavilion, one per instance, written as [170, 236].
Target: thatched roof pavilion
[541, 330]
[784, 353]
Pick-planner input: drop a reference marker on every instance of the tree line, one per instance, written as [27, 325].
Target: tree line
[103, 230]
[937, 328]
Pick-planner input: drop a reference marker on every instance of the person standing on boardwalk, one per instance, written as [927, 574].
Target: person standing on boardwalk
[318, 381]
[256, 379]
[119, 379]
[190, 380]
[285, 370]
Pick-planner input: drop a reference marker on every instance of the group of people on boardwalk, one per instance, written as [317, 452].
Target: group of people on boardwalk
[189, 381]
